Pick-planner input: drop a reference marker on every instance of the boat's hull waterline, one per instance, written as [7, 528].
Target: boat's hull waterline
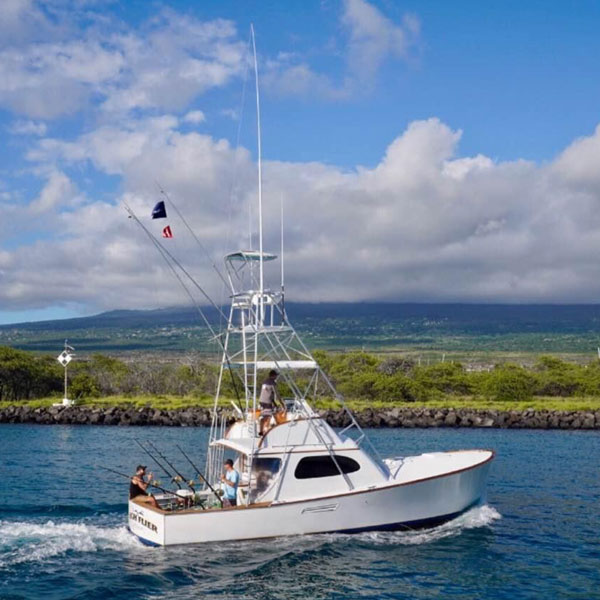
[408, 505]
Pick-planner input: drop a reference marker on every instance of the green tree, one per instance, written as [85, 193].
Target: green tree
[446, 377]
[24, 376]
[508, 383]
[83, 385]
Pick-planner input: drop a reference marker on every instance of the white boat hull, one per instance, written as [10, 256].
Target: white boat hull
[395, 505]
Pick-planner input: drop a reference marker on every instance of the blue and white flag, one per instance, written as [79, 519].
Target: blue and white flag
[159, 211]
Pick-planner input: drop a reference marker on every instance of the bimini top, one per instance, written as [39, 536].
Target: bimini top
[249, 255]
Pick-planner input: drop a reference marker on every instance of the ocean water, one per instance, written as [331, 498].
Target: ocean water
[63, 526]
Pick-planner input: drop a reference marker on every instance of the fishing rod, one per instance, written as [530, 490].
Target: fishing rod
[166, 256]
[162, 467]
[190, 484]
[158, 487]
[212, 489]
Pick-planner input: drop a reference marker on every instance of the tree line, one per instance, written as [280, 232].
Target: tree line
[357, 376]
[367, 376]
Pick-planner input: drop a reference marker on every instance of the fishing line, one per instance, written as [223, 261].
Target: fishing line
[166, 256]
[166, 253]
[202, 246]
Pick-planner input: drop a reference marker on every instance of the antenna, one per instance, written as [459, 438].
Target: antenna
[259, 149]
[282, 265]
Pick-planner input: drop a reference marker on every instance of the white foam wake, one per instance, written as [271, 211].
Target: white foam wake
[479, 516]
[29, 542]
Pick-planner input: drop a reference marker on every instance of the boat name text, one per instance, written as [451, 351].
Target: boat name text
[140, 519]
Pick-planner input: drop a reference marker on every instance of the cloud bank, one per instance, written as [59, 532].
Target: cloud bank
[424, 224]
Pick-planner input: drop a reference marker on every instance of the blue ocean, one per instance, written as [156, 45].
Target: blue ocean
[63, 526]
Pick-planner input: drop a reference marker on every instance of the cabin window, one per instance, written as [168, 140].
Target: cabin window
[323, 466]
[264, 470]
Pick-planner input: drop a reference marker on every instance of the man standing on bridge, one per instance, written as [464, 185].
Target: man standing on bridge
[268, 397]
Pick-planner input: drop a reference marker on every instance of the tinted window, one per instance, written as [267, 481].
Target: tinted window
[323, 466]
[271, 465]
[264, 469]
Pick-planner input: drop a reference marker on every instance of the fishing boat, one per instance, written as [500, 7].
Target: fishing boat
[300, 476]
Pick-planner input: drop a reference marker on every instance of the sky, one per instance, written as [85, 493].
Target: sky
[426, 151]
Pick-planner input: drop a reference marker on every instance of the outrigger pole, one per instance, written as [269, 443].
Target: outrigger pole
[164, 252]
[166, 256]
[212, 262]
[212, 489]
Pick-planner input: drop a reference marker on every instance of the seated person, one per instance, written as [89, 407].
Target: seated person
[138, 487]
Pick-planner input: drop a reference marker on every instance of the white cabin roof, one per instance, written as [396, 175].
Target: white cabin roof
[279, 364]
[242, 445]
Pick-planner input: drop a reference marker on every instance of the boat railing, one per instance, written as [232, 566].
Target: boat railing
[293, 406]
[361, 437]
[394, 465]
[216, 452]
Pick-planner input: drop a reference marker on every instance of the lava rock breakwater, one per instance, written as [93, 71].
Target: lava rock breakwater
[407, 417]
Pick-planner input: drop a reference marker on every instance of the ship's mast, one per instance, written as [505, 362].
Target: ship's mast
[260, 214]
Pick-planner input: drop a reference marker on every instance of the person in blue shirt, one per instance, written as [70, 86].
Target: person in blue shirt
[231, 479]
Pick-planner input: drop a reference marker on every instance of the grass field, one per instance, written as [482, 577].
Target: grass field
[168, 402]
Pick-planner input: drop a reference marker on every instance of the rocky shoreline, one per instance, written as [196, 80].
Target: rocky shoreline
[390, 418]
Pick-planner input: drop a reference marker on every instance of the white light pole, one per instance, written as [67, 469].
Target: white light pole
[64, 358]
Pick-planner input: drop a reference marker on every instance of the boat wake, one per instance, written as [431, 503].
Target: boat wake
[478, 516]
[22, 542]
[63, 510]
[311, 563]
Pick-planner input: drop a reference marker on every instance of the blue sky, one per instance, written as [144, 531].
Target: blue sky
[521, 79]
[458, 138]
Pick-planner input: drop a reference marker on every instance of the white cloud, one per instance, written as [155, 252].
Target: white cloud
[22, 20]
[230, 113]
[28, 128]
[462, 167]
[579, 162]
[195, 117]
[424, 224]
[109, 148]
[370, 40]
[58, 191]
[374, 37]
[291, 79]
[164, 64]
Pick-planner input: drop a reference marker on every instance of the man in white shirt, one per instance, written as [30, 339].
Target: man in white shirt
[268, 396]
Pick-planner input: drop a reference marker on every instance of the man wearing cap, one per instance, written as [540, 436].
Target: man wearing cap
[268, 395]
[231, 480]
[138, 487]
